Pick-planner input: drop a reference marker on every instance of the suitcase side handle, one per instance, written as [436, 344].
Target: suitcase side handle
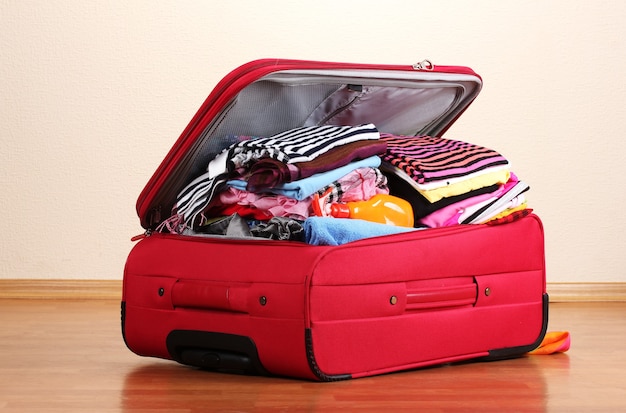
[451, 296]
[210, 296]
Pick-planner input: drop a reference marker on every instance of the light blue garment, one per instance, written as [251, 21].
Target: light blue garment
[306, 187]
[337, 231]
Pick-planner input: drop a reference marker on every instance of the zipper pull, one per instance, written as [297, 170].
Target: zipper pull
[424, 65]
[141, 236]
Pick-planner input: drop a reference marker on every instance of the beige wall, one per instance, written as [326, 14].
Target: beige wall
[93, 94]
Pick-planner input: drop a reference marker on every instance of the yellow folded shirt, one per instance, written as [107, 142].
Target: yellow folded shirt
[458, 188]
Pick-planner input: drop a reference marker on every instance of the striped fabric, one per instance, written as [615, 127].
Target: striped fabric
[296, 145]
[434, 162]
[301, 144]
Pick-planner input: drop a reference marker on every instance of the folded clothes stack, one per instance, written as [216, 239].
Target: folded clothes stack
[271, 182]
[277, 187]
[451, 182]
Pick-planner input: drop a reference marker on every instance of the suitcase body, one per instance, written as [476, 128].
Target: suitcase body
[366, 307]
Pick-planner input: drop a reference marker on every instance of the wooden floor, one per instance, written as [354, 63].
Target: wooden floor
[68, 356]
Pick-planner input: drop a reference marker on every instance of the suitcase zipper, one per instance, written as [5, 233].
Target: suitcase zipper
[424, 65]
[146, 234]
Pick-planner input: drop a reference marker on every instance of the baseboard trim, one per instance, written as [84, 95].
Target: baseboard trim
[587, 292]
[60, 289]
[112, 290]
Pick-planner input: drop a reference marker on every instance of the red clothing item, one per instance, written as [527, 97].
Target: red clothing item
[244, 211]
[268, 173]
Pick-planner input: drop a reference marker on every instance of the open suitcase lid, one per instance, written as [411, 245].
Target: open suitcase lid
[269, 96]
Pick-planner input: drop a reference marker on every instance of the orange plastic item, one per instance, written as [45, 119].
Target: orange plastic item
[381, 208]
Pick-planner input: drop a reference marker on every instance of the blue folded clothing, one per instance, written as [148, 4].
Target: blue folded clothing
[306, 187]
[337, 231]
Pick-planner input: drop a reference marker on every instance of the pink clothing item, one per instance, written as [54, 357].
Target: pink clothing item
[451, 215]
[360, 185]
[275, 205]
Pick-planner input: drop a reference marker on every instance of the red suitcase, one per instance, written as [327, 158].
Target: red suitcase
[371, 306]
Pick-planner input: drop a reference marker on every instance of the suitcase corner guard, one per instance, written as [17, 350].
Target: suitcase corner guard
[310, 356]
[513, 352]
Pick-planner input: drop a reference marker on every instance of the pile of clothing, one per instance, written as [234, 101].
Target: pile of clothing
[451, 182]
[266, 186]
